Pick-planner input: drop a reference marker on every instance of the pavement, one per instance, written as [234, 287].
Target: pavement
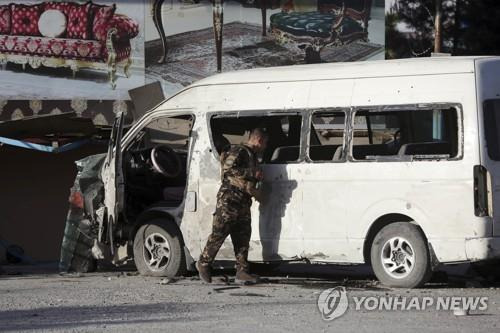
[37, 298]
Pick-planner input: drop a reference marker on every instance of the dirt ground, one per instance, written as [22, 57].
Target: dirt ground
[37, 298]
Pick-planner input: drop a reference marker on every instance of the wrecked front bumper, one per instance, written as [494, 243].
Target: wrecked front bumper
[485, 248]
[80, 231]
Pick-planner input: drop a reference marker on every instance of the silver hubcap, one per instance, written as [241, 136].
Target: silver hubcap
[398, 257]
[156, 252]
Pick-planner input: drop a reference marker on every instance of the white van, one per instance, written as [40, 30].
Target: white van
[393, 163]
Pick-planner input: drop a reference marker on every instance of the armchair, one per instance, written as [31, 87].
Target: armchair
[334, 23]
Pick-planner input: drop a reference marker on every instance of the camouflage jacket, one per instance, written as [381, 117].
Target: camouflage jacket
[238, 168]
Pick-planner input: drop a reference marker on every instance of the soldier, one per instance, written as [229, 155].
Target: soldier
[240, 177]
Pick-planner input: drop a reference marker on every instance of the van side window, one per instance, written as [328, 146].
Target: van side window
[419, 134]
[327, 136]
[284, 135]
[492, 127]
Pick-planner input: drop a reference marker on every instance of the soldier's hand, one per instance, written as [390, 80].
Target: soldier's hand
[258, 192]
[259, 174]
[258, 195]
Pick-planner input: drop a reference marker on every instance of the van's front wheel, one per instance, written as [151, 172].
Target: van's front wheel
[400, 256]
[158, 249]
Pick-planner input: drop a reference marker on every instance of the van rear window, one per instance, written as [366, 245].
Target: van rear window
[492, 127]
[416, 134]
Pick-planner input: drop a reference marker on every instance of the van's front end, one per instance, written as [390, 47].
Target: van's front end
[487, 175]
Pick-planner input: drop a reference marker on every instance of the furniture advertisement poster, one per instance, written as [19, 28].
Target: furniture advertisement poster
[52, 50]
[85, 57]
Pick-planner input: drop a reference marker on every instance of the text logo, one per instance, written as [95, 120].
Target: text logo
[333, 303]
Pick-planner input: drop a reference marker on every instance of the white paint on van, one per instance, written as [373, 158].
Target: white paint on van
[324, 211]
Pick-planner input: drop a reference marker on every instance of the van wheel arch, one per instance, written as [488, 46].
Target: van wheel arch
[149, 215]
[377, 225]
[167, 219]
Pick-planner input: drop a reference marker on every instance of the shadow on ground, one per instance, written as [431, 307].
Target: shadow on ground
[70, 317]
[307, 275]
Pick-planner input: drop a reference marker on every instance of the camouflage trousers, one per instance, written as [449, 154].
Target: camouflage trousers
[232, 217]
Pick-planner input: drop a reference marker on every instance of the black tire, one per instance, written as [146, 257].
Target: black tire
[159, 230]
[410, 262]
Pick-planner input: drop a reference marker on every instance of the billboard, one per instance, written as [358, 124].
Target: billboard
[56, 50]
[190, 40]
[63, 56]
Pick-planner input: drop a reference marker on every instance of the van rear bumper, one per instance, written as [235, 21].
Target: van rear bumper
[482, 248]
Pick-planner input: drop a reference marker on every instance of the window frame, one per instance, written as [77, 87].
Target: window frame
[129, 137]
[307, 133]
[408, 107]
[486, 131]
[261, 113]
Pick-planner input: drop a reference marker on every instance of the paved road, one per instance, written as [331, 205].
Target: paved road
[126, 302]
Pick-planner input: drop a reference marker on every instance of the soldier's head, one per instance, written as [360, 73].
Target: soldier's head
[258, 139]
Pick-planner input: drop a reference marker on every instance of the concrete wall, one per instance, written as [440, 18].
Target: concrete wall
[34, 190]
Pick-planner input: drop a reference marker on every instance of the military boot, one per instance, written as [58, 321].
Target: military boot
[204, 271]
[242, 276]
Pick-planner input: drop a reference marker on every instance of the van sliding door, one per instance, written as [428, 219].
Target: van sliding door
[326, 188]
[276, 221]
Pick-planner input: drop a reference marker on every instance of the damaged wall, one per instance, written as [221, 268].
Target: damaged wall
[34, 197]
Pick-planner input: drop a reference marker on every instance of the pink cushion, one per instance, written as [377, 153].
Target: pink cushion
[102, 15]
[25, 19]
[4, 20]
[78, 22]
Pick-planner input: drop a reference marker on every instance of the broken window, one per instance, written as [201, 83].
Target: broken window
[418, 134]
[284, 135]
[492, 128]
[327, 136]
[155, 164]
[171, 131]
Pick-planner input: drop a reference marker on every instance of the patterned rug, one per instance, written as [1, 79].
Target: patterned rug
[191, 55]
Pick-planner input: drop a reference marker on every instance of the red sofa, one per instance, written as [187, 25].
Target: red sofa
[94, 36]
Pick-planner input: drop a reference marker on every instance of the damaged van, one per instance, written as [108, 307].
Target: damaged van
[391, 163]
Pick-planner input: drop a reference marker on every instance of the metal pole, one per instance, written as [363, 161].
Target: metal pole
[438, 37]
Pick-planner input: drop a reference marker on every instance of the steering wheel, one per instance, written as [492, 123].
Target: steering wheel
[165, 161]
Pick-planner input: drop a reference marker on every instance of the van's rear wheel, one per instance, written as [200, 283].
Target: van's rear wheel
[400, 256]
[158, 249]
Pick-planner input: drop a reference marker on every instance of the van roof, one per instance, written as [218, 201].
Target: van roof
[332, 71]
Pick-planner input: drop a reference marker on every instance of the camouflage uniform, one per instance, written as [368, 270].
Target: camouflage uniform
[232, 215]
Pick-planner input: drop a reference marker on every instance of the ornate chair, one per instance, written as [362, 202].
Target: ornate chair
[334, 23]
